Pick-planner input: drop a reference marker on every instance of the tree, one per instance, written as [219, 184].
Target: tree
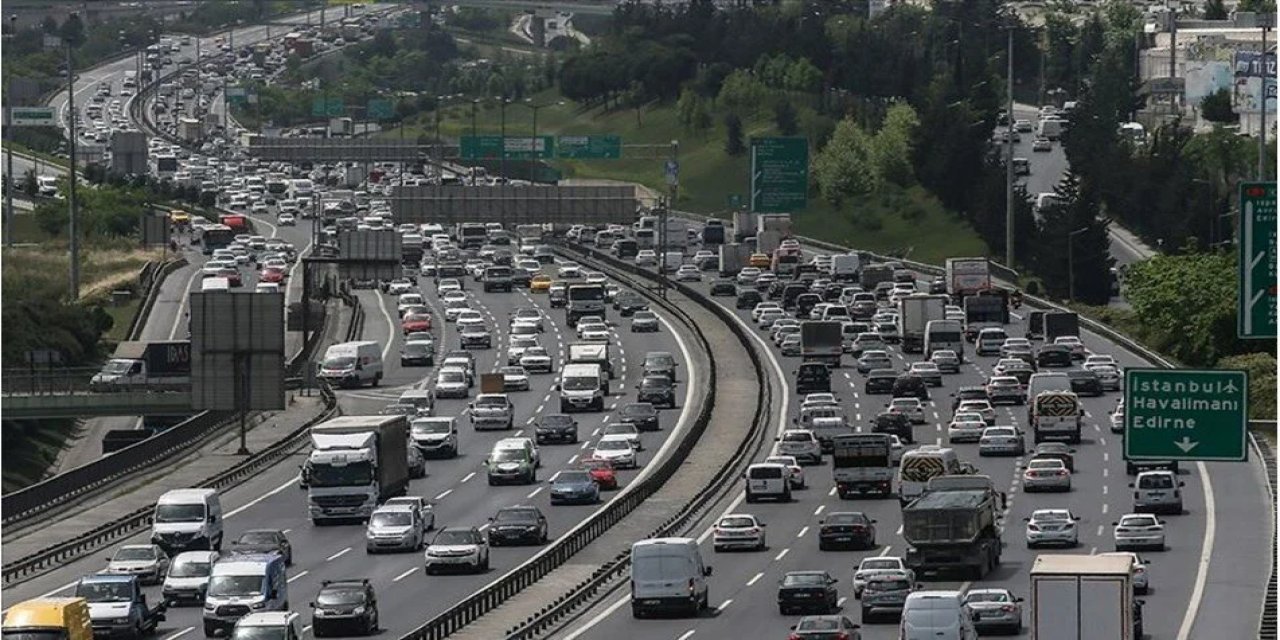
[741, 94]
[843, 168]
[1262, 381]
[1073, 242]
[803, 76]
[1257, 6]
[1188, 304]
[636, 99]
[733, 135]
[1216, 107]
[687, 105]
[72, 30]
[702, 120]
[784, 116]
[891, 147]
[1215, 10]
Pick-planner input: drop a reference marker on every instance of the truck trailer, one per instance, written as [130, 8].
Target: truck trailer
[862, 463]
[1059, 324]
[915, 312]
[821, 341]
[733, 257]
[355, 463]
[967, 277]
[1084, 597]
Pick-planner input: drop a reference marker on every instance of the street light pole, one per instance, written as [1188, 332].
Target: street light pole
[1008, 162]
[72, 226]
[8, 138]
[1071, 263]
[502, 148]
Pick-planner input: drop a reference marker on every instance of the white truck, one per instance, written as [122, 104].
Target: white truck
[779, 222]
[767, 242]
[733, 257]
[967, 277]
[915, 312]
[744, 225]
[593, 353]
[355, 463]
[1084, 596]
[845, 267]
[862, 463]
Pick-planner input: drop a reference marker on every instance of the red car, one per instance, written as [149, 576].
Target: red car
[602, 472]
[415, 322]
[271, 274]
[232, 276]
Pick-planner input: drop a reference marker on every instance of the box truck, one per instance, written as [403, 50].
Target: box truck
[915, 312]
[355, 463]
[1077, 596]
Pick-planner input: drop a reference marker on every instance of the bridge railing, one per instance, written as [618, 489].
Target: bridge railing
[75, 380]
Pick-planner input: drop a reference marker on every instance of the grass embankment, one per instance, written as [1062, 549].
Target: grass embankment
[897, 222]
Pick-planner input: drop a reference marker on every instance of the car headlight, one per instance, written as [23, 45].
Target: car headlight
[257, 605]
[120, 621]
[209, 606]
[359, 611]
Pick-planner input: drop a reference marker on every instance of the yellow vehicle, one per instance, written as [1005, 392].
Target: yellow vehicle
[49, 619]
[540, 284]
[179, 217]
[760, 261]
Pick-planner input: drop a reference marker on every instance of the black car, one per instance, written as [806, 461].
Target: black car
[850, 529]
[910, 386]
[556, 427]
[1053, 355]
[805, 303]
[807, 591]
[629, 302]
[264, 541]
[831, 293]
[657, 390]
[813, 377]
[880, 381]
[972, 392]
[335, 608]
[1085, 382]
[938, 286]
[517, 525]
[894, 423]
[660, 363]
[790, 293]
[723, 287]
[748, 299]
[642, 414]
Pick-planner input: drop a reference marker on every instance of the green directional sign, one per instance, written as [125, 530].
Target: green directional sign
[1257, 298]
[32, 117]
[380, 109]
[589, 147]
[779, 174]
[1185, 414]
[515, 148]
[331, 107]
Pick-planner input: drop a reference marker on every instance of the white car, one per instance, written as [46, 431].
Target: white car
[147, 561]
[762, 307]
[1108, 375]
[740, 531]
[400, 286]
[448, 284]
[1141, 581]
[965, 427]
[569, 272]
[688, 273]
[1014, 345]
[879, 566]
[451, 382]
[627, 430]
[910, 407]
[469, 316]
[1100, 359]
[456, 547]
[454, 308]
[801, 444]
[1052, 526]
[618, 450]
[797, 471]
[1138, 531]
[980, 407]
[593, 332]
[286, 220]
[407, 300]
[646, 258]
[1117, 418]
[536, 360]
[748, 276]
[514, 378]
[517, 346]
[455, 295]
[768, 316]
[820, 399]
[1001, 441]
[1046, 474]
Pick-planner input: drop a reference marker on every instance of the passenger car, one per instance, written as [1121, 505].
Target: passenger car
[263, 541]
[740, 531]
[947, 360]
[1001, 441]
[910, 407]
[146, 561]
[657, 390]
[801, 444]
[573, 486]
[522, 524]
[556, 426]
[644, 321]
[796, 475]
[514, 378]
[1046, 474]
[349, 604]
[601, 472]
[966, 427]
[618, 450]
[886, 593]
[642, 414]
[928, 371]
[1057, 451]
[395, 527]
[878, 565]
[1138, 531]
[806, 591]
[1141, 579]
[994, 609]
[1052, 526]
[851, 529]
[825, 627]
[458, 547]
[1085, 382]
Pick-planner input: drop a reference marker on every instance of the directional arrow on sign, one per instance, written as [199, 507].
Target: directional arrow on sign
[1186, 444]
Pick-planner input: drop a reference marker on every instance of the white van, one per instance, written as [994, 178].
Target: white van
[435, 436]
[1040, 382]
[215, 284]
[187, 520]
[768, 480]
[188, 577]
[582, 388]
[243, 583]
[942, 335]
[668, 574]
[989, 341]
[935, 615]
[921, 465]
[352, 364]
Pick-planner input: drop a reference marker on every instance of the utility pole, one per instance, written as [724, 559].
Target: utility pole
[72, 227]
[502, 148]
[1008, 161]
[1262, 111]
[1173, 54]
[1071, 263]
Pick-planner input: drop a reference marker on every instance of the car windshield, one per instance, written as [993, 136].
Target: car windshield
[655, 382]
[872, 564]
[105, 591]
[340, 362]
[795, 436]
[813, 623]
[258, 633]
[452, 376]
[581, 383]
[613, 445]
[737, 522]
[620, 429]
[892, 584]
[1048, 516]
[491, 401]
[391, 519]
[1137, 521]
[1156, 482]
[340, 596]
[508, 516]
[235, 585]
[431, 426]
[179, 512]
[573, 477]
[257, 537]
[190, 569]
[135, 553]
[508, 455]
[454, 537]
[845, 518]
[638, 410]
[1045, 464]
[804, 580]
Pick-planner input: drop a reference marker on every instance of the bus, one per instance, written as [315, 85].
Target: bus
[921, 465]
[215, 236]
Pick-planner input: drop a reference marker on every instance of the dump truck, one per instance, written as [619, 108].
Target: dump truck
[733, 257]
[914, 314]
[821, 341]
[952, 525]
[873, 274]
[355, 463]
[1059, 324]
[1084, 596]
[157, 366]
[967, 277]
[861, 463]
[1055, 415]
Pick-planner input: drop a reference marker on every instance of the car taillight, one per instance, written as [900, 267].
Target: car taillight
[794, 636]
[842, 636]
[1062, 472]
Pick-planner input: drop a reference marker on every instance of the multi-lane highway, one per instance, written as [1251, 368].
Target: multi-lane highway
[1208, 583]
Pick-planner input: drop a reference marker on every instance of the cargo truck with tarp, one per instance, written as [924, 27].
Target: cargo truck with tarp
[953, 526]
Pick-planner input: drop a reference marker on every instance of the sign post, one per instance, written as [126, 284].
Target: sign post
[779, 174]
[1257, 297]
[1186, 414]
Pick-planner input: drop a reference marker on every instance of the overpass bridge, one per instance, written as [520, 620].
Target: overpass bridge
[66, 393]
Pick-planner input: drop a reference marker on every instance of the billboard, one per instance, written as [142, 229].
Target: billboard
[237, 351]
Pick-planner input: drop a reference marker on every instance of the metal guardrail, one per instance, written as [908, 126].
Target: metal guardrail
[67, 550]
[495, 593]
[587, 590]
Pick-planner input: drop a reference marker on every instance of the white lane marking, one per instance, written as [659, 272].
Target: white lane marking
[534, 492]
[1104, 508]
[306, 628]
[840, 602]
[1206, 554]
[404, 575]
[338, 555]
[485, 526]
[885, 551]
[802, 532]
[391, 327]
[179, 634]
[683, 636]
[468, 476]
[820, 509]
[782, 554]
[586, 444]
[832, 492]
[443, 494]
[573, 458]
[899, 531]
[291, 483]
[754, 579]
[297, 575]
[724, 605]
[1104, 489]
[1099, 530]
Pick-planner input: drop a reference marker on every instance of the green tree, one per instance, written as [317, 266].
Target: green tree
[636, 98]
[1216, 107]
[1257, 6]
[733, 144]
[701, 119]
[1188, 303]
[687, 105]
[1215, 10]
[741, 94]
[803, 76]
[785, 117]
[72, 30]
[891, 147]
[1261, 367]
[1072, 235]
[843, 168]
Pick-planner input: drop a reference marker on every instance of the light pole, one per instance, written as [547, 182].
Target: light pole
[502, 148]
[72, 227]
[1008, 161]
[9, 182]
[1071, 263]
[475, 102]
[533, 146]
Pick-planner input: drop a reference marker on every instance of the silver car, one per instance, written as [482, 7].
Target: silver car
[1138, 531]
[994, 609]
[1052, 526]
[1141, 581]
[147, 561]
[1046, 474]
[644, 321]
[395, 528]
[1001, 441]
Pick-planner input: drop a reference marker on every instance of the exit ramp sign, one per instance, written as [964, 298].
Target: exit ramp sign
[1186, 414]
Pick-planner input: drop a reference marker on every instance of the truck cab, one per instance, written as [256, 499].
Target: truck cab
[145, 364]
[117, 606]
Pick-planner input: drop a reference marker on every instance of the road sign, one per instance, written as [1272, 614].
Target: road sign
[1185, 414]
[672, 171]
[237, 95]
[1257, 297]
[379, 109]
[328, 107]
[779, 174]
[589, 147]
[32, 117]
[514, 148]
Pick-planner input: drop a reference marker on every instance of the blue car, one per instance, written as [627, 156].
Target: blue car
[574, 487]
